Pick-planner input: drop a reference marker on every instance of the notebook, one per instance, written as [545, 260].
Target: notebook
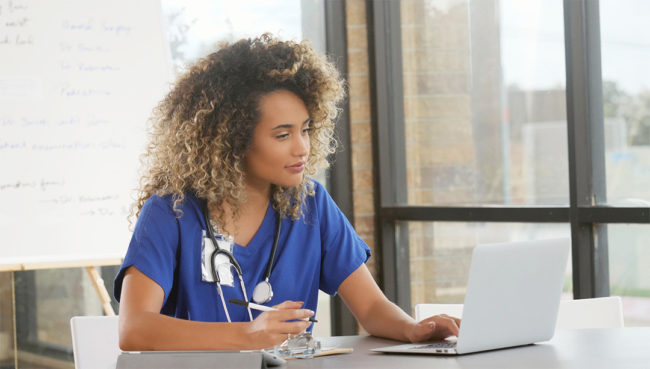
[512, 299]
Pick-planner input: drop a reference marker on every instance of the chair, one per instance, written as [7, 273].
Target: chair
[95, 341]
[600, 312]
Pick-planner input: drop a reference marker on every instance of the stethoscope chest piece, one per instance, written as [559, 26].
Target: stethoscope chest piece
[263, 292]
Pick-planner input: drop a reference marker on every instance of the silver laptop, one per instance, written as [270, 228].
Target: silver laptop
[512, 299]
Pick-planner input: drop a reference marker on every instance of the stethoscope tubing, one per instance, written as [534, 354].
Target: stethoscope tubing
[276, 238]
[235, 264]
[217, 279]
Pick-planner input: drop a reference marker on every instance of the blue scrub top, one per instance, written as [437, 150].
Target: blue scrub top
[317, 251]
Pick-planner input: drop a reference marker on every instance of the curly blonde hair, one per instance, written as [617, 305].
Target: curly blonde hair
[203, 127]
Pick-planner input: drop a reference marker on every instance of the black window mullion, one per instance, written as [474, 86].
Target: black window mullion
[478, 214]
[386, 40]
[389, 152]
[511, 214]
[340, 173]
[608, 214]
[586, 145]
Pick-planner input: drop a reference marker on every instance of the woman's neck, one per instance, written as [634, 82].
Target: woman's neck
[257, 193]
[250, 213]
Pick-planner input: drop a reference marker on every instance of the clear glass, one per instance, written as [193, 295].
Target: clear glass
[195, 27]
[301, 346]
[7, 321]
[629, 270]
[45, 301]
[484, 102]
[440, 254]
[625, 50]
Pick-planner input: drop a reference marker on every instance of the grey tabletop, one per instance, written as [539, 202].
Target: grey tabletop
[585, 348]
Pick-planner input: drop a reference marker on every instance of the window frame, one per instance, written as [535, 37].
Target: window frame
[586, 157]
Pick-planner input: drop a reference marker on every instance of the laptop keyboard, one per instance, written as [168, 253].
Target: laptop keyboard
[438, 345]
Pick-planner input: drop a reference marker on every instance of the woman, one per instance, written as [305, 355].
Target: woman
[235, 141]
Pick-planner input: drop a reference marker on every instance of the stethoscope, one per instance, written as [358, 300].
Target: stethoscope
[263, 292]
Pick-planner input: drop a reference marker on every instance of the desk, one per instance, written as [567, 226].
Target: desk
[585, 348]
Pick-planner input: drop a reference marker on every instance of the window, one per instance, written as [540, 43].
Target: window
[494, 122]
[440, 254]
[195, 27]
[625, 50]
[484, 102]
[629, 275]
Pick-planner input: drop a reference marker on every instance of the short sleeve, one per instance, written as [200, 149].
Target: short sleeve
[153, 247]
[343, 251]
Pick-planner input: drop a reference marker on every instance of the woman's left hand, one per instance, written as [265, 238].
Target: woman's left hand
[436, 327]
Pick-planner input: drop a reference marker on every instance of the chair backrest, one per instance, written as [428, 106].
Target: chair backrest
[95, 341]
[423, 311]
[600, 312]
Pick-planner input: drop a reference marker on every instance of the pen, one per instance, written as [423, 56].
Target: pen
[255, 306]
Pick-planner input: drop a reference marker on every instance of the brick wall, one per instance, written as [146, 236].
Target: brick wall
[360, 129]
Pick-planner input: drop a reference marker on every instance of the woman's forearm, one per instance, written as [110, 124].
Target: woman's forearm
[378, 315]
[385, 319]
[146, 331]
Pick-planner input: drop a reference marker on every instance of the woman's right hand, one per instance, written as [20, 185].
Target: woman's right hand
[272, 328]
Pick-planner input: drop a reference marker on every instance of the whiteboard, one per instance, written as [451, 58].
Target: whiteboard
[78, 81]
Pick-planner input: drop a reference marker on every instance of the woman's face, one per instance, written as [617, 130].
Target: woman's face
[280, 144]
